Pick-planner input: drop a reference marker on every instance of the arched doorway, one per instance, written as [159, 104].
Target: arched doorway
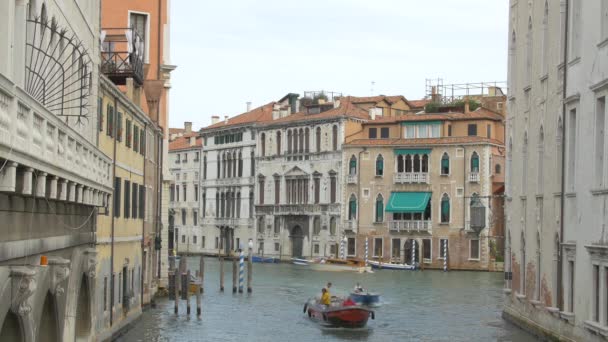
[407, 250]
[48, 331]
[11, 329]
[83, 312]
[297, 241]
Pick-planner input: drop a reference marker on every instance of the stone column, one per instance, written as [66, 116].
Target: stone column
[72, 192]
[95, 201]
[41, 184]
[79, 193]
[8, 177]
[27, 181]
[63, 190]
[53, 187]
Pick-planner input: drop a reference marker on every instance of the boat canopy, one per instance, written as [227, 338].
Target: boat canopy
[408, 202]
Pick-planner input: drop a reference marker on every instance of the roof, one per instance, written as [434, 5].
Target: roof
[176, 130]
[183, 142]
[346, 109]
[480, 113]
[424, 141]
[375, 99]
[259, 114]
[419, 103]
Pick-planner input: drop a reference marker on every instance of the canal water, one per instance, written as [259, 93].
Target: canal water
[418, 306]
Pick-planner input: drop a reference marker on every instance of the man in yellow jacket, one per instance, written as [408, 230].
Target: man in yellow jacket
[325, 297]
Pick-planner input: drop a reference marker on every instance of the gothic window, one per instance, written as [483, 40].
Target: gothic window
[474, 162]
[352, 208]
[445, 209]
[379, 215]
[445, 164]
[379, 165]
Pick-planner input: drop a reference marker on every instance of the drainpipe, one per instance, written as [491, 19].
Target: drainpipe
[159, 197]
[113, 212]
[143, 222]
[560, 301]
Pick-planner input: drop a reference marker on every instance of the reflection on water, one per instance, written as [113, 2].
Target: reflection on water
[418, 306]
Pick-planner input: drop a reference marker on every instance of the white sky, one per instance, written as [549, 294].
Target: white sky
[229, 52]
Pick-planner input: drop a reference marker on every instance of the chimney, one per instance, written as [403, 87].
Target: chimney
[372, 113]
[215, 119]
[466, 105]
[188, 126]
[226, 119]
[248, 106]
[192, 141]
[276, 111]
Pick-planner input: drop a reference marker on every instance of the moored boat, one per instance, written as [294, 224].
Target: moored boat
[338, 265]
[338, 315]
[366, 298]
[391, 266]
[299, 262]
[262, 259]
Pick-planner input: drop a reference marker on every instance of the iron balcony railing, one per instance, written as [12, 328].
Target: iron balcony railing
[122, 55]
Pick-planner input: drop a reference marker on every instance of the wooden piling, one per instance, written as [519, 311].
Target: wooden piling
[249, 269]
[198, 292]
[176, 289]
[188, 293]
[221, 274]
[234, 271]
[201, 268]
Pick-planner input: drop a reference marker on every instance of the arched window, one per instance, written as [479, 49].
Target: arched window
[475, 162]
[263, 144]
[334, 137]
[318, 139]
[529, 50]
[445, 209]
[400, 163]
[352, 208]
[332, 226]
[497, 169]
[379, 214]
[316, 230]
[445, 164]
[352, 166]
[278, 143]
[217, 204]
[524, 171]
[261, 224]
[379, 165]
[307, 140]
[425, 163]
[416, 163]
[295, 141]
[301, 142]
[512, 61]
[289, 142]
[541, 160]
[43, 15]
[240, 164]
[545, 39]
[408, 163]
[229, 161]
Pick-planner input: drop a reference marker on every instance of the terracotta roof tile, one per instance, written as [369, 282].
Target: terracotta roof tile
[419, 103]
[256, 115]
[183, 143]
[480, 113]
[423, 141]
[346, 108]
[176, 130]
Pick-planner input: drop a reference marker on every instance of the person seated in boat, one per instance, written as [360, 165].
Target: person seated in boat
[358, 288]
[325, 297]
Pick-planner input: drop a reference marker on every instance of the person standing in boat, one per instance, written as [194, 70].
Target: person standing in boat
[358, 288]
[325, 297]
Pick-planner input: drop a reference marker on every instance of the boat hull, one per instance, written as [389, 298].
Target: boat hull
[340, 316]
[399, 267]
[369, 299]
[334, 268]
[265, 260]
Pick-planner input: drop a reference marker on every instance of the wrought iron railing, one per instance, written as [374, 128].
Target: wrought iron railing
[122, 55]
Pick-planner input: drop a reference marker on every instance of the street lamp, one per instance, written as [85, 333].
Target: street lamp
[478, 215]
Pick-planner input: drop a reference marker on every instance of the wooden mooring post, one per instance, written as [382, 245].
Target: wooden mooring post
[201, 268]
[249, 269]
[234, 267]
[221, 274]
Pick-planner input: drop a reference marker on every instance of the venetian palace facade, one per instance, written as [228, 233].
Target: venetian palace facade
[557, 206]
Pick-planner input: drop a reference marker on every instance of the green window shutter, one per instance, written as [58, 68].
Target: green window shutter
[128, 137]
[119, 126]
[445, 210]
[445, 162]
[475, 164]
[135, 138]
[142, 142]
[110, 129]
[353, 209]
[100, 113]
[379, 211]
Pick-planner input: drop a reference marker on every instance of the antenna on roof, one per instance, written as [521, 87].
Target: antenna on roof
[372, 90]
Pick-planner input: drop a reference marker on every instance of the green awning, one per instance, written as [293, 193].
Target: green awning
[399, 151]
[417, 123]
[408, 202]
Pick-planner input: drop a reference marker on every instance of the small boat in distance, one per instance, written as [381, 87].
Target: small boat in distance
[263, 259]
[338, 265]
[366, 298]
[340, 314]
[299, 262]
[391, 266]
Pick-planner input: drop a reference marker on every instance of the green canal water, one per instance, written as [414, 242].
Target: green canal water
[418, 306]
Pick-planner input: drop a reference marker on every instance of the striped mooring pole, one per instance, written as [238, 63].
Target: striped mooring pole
[342, 254]
[366, 250]
[241, 270]
[445, 255]
[413, 252]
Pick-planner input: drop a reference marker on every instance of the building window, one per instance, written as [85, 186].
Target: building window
[474, 249]
[195, 192]
[204, 198]
[384, 133]
[379, 214]
[426, 246]
[489, 131]
[128, 140]
[217, 242]
[449, 130]
[318, 139]
[252, 170]
[195, 219]
[127, 193]
[278, 143]
[317, 184]
[497, 169]
[183, 217]
[445, 209]
[373, 133]
[194, 239]
[203, 241]
[261, 189]
[378, 247]
[134, 202]
[600, 136]
[332, 181]
[444, 245]
[105, 293]
[316, 248]
[596, 294]
[184, 189]
[316, 228]
[379, 165]
[277, 246]
[571, 285]
[352, 166]
[277, 190]
[332, 226]
[475, 162]
[350, 248]
[261, 224]
[138, 23]
[263, 144]
[332, 249]
[472, 130]
[277, 225]
[334, 137]
[445, 164]
[183, 238]
[571, 141]
[352, 208]
[119, 126]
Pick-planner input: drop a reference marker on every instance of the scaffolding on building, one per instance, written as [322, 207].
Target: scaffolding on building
[437, 91]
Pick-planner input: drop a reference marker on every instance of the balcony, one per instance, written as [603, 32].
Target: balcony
[351, 225]
[122, 55]
[296, 209]
[410, 226]
[351, 179]
[474, 177]
[411, 177]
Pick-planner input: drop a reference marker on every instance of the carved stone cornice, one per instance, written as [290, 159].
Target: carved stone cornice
[24, 285]
[598, 252]
[569, 251]
[60, 271]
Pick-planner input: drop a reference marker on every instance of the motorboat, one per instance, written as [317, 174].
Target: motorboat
[366, 298]
[263, 259]
[338, 265]
[299, 262]
[340, 314]
[391, 266]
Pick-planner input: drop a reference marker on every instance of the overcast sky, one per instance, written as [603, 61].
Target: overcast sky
[232, 51]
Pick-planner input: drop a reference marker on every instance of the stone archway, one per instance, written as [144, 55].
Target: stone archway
[48, 330]
[11, 328]
[297, 241]
[83, 312]
[407, 252]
